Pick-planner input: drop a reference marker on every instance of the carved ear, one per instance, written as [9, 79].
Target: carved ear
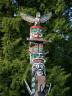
[27, 18]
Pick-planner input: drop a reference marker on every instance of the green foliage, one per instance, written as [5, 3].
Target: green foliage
[14, 55]
[58, 77]
[12, 77]
[6, 8]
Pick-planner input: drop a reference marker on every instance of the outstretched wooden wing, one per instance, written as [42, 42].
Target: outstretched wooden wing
[46, 17]
[27, 18]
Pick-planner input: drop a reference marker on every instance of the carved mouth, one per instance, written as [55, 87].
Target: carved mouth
[38, 60]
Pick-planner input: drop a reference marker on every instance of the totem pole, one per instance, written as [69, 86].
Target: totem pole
[36, 41]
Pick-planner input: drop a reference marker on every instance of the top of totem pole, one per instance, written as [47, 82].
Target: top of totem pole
[36, 20]
[38, 15]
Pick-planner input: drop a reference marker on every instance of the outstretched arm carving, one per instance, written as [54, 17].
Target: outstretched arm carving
[27, 18]
[45, 17]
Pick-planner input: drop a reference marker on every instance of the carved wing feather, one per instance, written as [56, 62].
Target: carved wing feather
[46, 17]
[27, 18]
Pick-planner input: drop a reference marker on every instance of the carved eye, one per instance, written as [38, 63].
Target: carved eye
[41, 66]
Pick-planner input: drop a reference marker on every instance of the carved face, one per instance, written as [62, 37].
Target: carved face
[36, 33]
[36, 48]
[39, 68]
[40, 72]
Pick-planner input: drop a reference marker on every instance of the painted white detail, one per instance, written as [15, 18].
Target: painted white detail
[38, 19]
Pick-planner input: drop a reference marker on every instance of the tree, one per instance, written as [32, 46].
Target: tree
[14, 58]
[58, 78]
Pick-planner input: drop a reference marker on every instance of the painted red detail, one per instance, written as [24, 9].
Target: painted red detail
[38, 60]
[37, 27]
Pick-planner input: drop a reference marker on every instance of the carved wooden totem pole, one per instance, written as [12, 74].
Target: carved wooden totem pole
[36, 41]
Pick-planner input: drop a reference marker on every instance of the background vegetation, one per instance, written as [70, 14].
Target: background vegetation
[14, 56]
